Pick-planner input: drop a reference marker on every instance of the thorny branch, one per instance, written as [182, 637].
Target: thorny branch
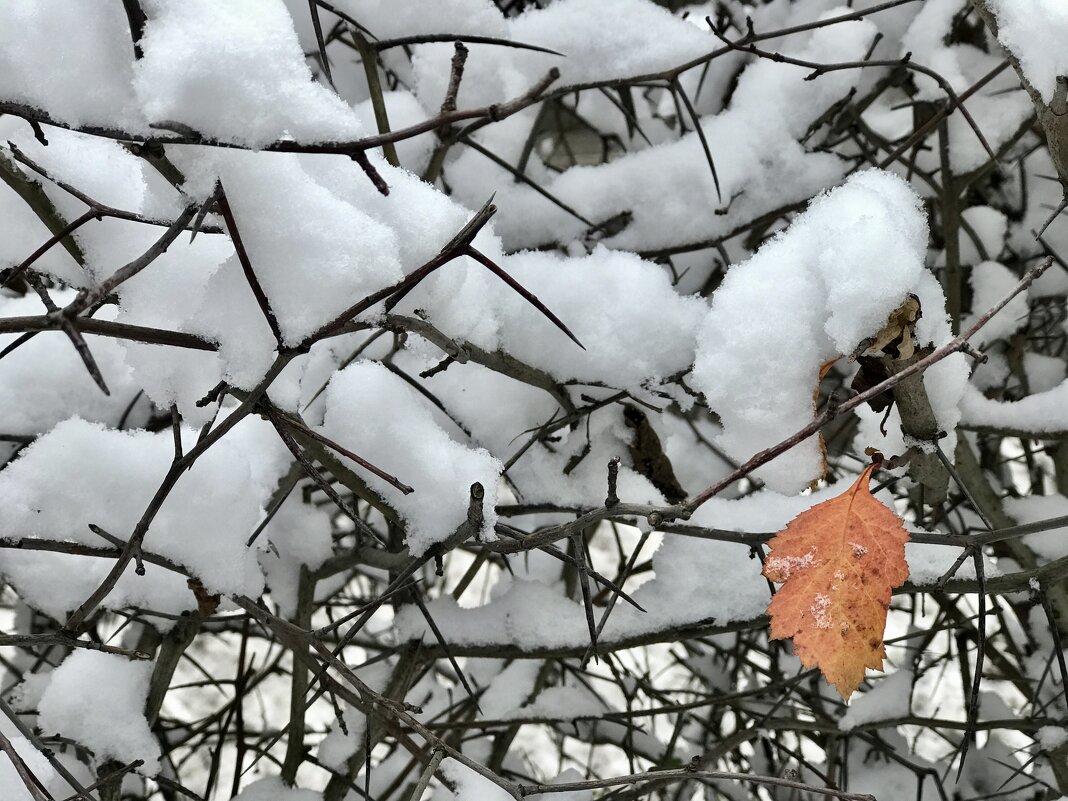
[723, 692]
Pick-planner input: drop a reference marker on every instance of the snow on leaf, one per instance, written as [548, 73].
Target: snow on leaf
[838, 563]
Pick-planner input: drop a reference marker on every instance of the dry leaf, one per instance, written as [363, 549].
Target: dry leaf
[838, 563]
[898, 338]
[648, 457]
[824, 369]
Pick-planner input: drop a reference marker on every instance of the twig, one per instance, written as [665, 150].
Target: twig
[246, 262]
[456, 74]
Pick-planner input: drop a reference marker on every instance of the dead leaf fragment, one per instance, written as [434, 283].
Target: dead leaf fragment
[648, 457]
[895, 341]
[824, 369]
[838, 563]
[897, 338]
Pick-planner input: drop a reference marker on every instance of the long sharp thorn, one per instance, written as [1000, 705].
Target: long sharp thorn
[527, 295]
[86, 355]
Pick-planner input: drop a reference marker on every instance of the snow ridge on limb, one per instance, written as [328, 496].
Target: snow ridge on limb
[828, 282]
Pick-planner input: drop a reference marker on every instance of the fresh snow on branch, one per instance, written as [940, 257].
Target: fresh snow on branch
[398, 397]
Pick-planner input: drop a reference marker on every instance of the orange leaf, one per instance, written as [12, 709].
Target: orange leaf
[838, 563]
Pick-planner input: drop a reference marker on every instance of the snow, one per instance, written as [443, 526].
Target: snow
[888, 699]
[998, 109]
[1043, 372]
[1052, 737]
[338, 746]
[996, 765]
[423, 235]
[827, 283]
[559, 622]
[109, 174]
[498, 427]
[888, 778]
[109, 720]
[668, 189]
[991, 228]
[990, 283]
[298, 535]
[653, 39]
[786, 565]
[1039, 413]
[375, 414]
[203, 525]
[570, 776]
[214, 303]
[313, 253]
[471, 786]
[404, 111]
[820, 604]
[12, 788]
[390, 18]
[314, 249]
[91, 83]
[1047, 545]
[928, 563]
[1043, 197]
[101, 168]
[561, 703]
[925, 40]
[271, 788]
[680, 564]
[636, 326]
[24, 232]
[1034, 30]
[234, 71]
[166, 295]
[815, 254]
[539, 474]
[998, 116]
[44, 379]
[509, 686]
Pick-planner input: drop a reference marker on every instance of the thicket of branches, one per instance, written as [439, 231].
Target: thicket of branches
[348, 671]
